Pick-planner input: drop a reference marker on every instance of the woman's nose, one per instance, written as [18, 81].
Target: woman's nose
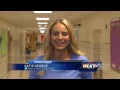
[60, 36]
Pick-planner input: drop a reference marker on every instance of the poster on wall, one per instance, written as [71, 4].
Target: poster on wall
[0, 37]
[42, 38]
[115, 44]
[3, 43]
[0, 42]
[76, 32]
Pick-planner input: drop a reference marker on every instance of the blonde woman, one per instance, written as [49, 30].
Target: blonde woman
[60, 43]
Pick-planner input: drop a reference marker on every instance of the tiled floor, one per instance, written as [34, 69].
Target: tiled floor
[20, 74]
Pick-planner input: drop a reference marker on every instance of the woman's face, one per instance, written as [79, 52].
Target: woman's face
[60, 37]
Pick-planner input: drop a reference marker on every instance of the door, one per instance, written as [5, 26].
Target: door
[97, 47]
[9, 38]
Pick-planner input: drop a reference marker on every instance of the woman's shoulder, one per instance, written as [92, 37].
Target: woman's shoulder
[39, 57]
[79, 57]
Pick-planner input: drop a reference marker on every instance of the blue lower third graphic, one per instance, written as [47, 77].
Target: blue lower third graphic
[67, 65]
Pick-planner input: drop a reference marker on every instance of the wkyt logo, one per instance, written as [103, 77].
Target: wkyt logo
[90, 66]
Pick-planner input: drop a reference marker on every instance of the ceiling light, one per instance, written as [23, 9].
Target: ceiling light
[42, 22]
[42, 28]
[42, 18]
[45, 25]
[42, 11]
[42, 31]
[39, 25]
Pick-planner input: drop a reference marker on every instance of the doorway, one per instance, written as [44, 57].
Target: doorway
[9, 38]
[97, 49]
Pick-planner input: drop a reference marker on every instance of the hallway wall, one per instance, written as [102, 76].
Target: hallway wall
[14, 49]
[99, 20]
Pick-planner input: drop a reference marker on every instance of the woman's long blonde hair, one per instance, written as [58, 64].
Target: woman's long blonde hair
[73, 46]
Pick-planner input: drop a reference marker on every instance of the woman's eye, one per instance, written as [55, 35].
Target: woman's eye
[55, 33]
[64, 33]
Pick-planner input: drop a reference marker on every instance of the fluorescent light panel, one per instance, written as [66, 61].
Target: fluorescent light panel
[42, 31]
[42, 22]
[39, 25]
[45, 25]
[42, 18]
[42, 28]
[42, 11]
[42, 25]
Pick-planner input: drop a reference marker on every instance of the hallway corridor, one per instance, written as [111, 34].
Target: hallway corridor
[98, 33]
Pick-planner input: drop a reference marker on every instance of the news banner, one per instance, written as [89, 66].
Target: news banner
[58, 65]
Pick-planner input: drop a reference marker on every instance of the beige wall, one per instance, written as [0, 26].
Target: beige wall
[15, 49]
[97, 21]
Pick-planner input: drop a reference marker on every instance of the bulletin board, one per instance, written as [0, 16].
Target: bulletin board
[42, 38]
[0, 37]
[76, 32]
[115, 43]
[3, 43]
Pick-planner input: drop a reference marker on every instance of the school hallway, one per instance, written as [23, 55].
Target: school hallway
[98, 33]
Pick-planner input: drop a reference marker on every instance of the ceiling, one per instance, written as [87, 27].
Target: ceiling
[27, 19]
